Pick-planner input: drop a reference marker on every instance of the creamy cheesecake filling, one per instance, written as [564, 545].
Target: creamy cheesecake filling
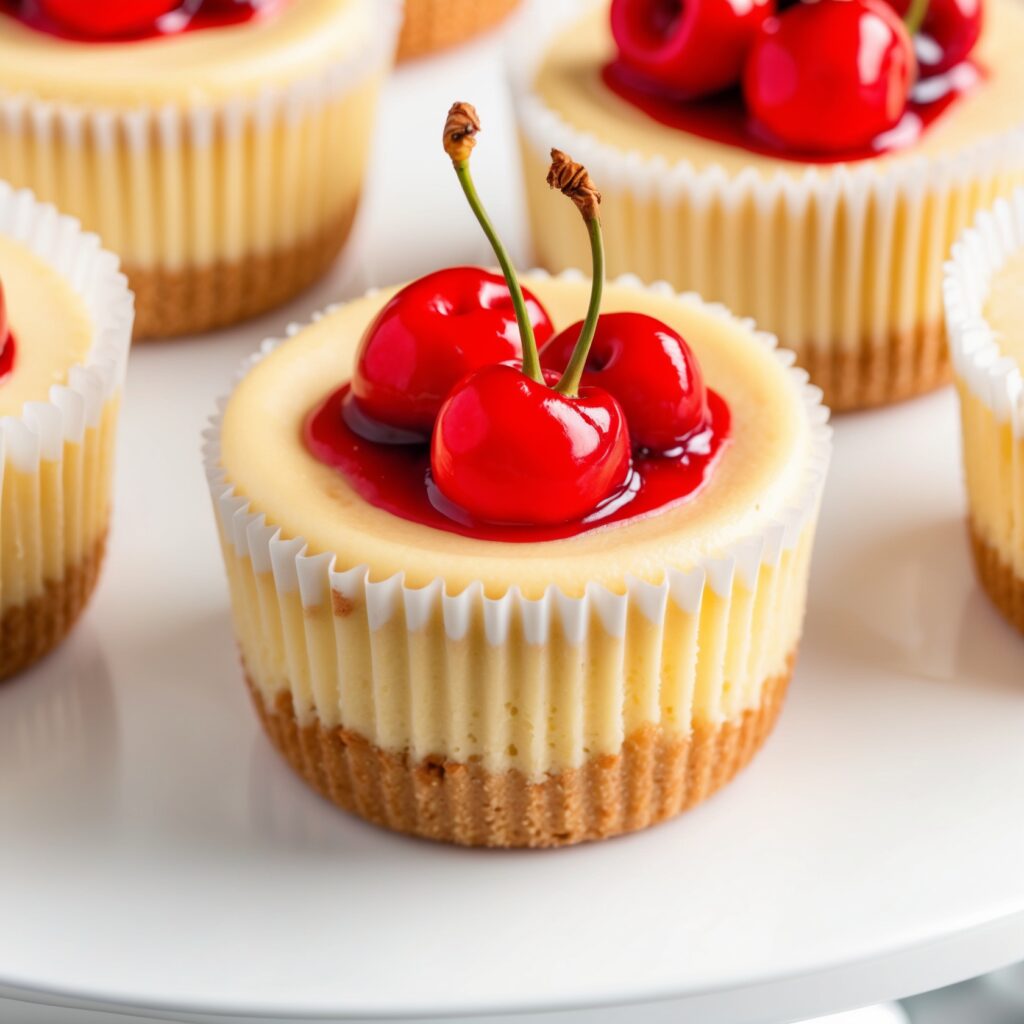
[217, 63]
[51, 327]
[446, 646]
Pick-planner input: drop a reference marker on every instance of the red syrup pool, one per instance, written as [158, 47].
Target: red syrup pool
[191, 16]
[396, 477]
[724, 118]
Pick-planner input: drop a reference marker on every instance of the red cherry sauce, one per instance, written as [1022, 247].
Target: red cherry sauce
[8, 347]
[191, 16]
[396, 477]
[724, 118]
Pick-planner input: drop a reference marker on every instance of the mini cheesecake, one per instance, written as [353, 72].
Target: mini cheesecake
[222, 158]
[490, 691]
[841, 257]
[984, 290]
[64, 329]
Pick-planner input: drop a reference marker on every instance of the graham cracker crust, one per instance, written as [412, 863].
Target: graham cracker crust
[911, 364]
[653, 778]
[198, 299]
[432, 25]
[1000, 582]
[30, 630]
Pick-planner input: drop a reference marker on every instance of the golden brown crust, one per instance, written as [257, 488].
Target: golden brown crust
[432, 25]
[653, 778]
[197, 299]
[909, 364]
[30, 630]
[572, 180]
[1001, 583]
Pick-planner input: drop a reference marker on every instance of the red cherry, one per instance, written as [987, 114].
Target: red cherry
[649, 369]
[692, 47]
[830, 75]
[950, 30]
[510, 450]
[108, 19]
[429, 336]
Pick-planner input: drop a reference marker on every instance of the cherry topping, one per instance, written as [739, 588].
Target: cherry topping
[508, 449]
[692, 47]
[948, 33]
[109, 19]
[7, 345]
[830, 75]
[649, 369]
[429, 336]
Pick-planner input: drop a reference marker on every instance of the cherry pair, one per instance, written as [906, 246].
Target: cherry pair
[817, 75]
[520, 435]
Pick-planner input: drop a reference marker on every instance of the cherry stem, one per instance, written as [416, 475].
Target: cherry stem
[531, 360]
[916, 14]
[569, 384]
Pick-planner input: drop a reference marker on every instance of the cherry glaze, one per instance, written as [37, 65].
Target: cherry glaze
[396, 478]
[173, 19]
[724, 118]
[7, 343]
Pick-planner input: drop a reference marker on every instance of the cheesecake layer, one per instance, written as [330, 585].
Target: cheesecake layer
[51, 326]
[299, 39]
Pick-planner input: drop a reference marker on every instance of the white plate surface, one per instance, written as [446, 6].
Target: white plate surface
[156, 853]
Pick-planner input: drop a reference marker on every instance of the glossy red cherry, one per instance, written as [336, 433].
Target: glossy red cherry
[508, 449]
[648, 368]
[830, 75]
[429, 336]
[691, 47]
[948, 34]
[106, 19]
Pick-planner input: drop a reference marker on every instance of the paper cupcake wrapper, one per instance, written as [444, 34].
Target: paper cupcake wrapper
[173, 187]
[428, 672]
[57, 455]
[848, 260]
[992, 397]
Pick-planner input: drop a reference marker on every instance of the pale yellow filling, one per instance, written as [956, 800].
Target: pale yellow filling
[267, 460]
[51, 515]
[51, 326]
[569, 82]
[993, 456]
[1004, 312]
[237, 60]
[537, 703]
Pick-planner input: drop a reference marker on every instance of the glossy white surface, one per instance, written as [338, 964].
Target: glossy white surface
[156, 854]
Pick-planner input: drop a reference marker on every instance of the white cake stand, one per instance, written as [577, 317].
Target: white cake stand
[157, 856]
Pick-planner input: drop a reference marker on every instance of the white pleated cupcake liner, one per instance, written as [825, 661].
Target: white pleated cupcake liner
[106, 159]
[396, 610]
[44, 427]
[789, 216]
[983, 250]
